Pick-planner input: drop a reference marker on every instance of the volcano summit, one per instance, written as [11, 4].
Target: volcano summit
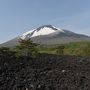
[49, 35]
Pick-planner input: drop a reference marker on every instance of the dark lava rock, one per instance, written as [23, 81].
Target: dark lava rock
[47, 72]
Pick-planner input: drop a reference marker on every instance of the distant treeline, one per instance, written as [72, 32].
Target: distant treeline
[31, 49]
[75, 48]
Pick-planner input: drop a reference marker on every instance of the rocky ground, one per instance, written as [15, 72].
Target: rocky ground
[47, 72]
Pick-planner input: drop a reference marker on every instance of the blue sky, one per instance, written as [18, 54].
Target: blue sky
[19, 16]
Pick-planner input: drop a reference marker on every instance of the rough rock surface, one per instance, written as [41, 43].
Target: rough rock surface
[47, 72]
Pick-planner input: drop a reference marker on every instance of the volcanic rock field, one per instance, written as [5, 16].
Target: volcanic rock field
[47, 72]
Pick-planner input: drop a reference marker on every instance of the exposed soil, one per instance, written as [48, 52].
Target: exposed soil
[47, 72]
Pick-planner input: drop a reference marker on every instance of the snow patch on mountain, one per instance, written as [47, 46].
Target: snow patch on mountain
[43, 31]
[48, 29]
[23, 36]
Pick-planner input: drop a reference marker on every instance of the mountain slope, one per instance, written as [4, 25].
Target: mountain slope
[48, 35]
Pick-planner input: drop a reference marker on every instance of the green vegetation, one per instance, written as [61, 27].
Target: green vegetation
[60, 50]
[76, 48]
[5, 52]
[26, 48]
[31, 49]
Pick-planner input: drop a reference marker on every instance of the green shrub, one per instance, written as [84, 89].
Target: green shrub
[60, 50]
[26, 48]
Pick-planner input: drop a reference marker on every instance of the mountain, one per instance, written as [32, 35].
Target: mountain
[48, 35]
[43, 30]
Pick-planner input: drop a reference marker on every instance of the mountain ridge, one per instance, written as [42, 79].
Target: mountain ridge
[48, 35]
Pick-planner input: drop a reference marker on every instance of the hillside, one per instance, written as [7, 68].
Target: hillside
[56, 67]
